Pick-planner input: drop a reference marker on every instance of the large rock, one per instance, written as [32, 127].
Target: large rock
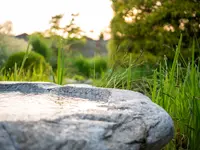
[45, 116]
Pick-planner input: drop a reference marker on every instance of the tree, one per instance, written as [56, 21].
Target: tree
[70, 30]
[70, 34]
[6, 28]
[153, 26]
[101, 36]
[55, 23]
[63, 37]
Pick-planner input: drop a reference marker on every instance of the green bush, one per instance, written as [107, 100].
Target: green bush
[98, 65]
[40, 46]
[119, 58]
[82, 66]
[89, 67]
[78, 78]
[10, 45]
[34, 61]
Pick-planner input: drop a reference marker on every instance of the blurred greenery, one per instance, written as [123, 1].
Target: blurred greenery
[153, 26]
[87, 67]
[10, 45]
[40, 46]
[34, 61]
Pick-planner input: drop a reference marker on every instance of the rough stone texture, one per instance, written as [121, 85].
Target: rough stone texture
[45, 116]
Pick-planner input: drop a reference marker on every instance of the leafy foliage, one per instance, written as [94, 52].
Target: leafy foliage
[63, 37]
[34, 61]
[153, 26]
[82, 66]
[6, 27]
[10, 45]
[177, 90]
[40, 46]
[70, 30]
[89, 67]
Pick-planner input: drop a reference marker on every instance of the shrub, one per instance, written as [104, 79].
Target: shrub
[34, 61]
[39, 46]
[98, 65]
[78, 78]
[177, 90]
[119, 58]
[10, 45]
[82, 66]
[89, 67]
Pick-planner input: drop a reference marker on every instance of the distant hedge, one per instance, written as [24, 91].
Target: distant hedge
[90, 66]
[10, 45]
[40, 46]
[33, 61]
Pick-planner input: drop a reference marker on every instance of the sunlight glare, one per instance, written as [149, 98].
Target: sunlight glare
[30, 16]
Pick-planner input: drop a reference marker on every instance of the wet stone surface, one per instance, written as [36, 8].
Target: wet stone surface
[45, 116]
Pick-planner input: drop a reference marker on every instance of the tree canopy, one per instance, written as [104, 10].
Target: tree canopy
[153, 26]
[70, 30]
[6, 27]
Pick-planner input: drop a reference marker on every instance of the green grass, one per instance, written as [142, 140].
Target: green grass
[177, 90]
[60, 64]
[131, 78]
[174, 87]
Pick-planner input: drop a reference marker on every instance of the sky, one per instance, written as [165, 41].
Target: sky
[29, 16]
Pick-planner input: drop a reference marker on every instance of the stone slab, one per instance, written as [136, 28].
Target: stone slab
[46, 116]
